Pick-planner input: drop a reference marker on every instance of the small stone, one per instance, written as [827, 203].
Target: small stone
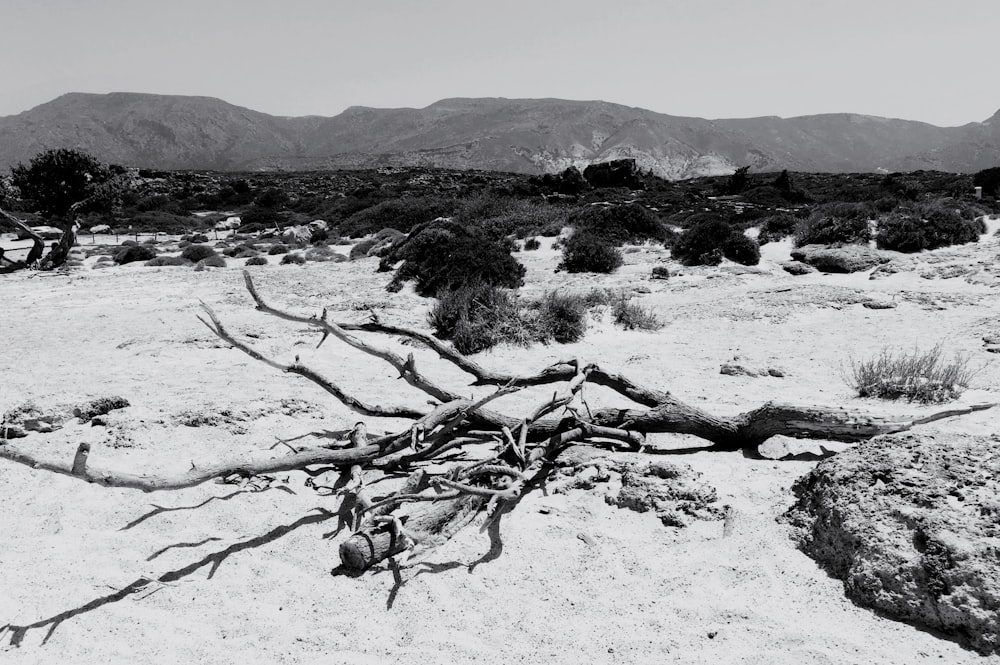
[879, 304]
[732, 369]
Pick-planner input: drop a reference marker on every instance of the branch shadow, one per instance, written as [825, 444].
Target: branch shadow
[215, 559]
[166, 509]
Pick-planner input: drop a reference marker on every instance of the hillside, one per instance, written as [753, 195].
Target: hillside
[518, 135]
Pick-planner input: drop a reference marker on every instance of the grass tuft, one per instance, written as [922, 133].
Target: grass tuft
[922, 376]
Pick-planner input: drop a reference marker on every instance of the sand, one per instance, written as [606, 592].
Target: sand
[576, 580]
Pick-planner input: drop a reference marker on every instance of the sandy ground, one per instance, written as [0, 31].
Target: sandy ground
[576, 581]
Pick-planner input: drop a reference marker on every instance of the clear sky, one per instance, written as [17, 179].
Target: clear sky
[927, 60]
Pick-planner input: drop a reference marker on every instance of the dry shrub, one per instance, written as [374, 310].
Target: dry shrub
[293, 258]
[632, 316]
[922, 376]
[257, 261]
[479, 316]
[168, 261]
[560, 317]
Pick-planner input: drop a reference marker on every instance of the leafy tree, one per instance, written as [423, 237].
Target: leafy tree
[62, 180]
[739, 181]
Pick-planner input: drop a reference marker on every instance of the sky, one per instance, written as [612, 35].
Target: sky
[925, 60]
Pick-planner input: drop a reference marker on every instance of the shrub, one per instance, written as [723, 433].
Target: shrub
[660, 272]
[196, 253]
[296, 258]
[323, 254]
[532, 244]
[561, 317]
[478, 316]
[443, 255]
[277, 249]
[198, 237]
[710, 239]
[256, 261]
[835, 223]
[214, 261]
[585, 252]
[924, 376]
[361, 250]
[776, 227]
[57, 179]
[741, 249]
[916, 228]
[134, 253]
[632, 316]
[168, 261]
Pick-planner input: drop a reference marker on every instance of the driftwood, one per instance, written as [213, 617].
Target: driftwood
[56, 257]
[427, 509]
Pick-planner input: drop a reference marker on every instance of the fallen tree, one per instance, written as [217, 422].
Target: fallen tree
[504, 456]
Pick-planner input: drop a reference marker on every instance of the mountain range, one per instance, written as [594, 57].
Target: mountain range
[518, 135]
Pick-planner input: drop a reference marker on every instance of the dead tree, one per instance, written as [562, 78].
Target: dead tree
[507, 454]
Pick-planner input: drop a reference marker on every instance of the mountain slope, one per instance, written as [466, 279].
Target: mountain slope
[524, 135]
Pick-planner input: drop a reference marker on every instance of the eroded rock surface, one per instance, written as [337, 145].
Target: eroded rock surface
[911, 523]
[849, 258]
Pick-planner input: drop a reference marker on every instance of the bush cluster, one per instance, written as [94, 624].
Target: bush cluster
[919, 227]
[132, 253]
[835, 223]
[776, 227]
[195, 253]
[476, 317]
[443, 255]
[632, 316]
[711, 239]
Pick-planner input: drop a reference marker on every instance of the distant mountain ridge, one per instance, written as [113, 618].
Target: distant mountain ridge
[520, 135]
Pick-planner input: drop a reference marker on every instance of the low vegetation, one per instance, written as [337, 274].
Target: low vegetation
[586, 252]
[922, 376]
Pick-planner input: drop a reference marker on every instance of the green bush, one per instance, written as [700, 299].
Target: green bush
[532, 244]
[741, 249]
[256, 261]
[928, 226]
[132, 253]
[277, 249]
[443, 255]
[711, 239]
[478, 316]
[776, 227]
[196, 253]
[835, 223]
[585, 252]
[293, 258]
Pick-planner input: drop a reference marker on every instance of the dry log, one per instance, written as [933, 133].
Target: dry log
[427, 527]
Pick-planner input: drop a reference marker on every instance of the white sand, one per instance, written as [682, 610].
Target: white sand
[642, 593]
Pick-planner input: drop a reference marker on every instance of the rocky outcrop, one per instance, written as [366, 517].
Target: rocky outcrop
[797, 268]
[848, 258]
[911, 523]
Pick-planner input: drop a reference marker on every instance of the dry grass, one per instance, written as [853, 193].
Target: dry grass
[632, 316]
[922, 376]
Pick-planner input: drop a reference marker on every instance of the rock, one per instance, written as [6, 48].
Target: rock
[732, 369]
[780, 446]
[911, 523]
[47, 232]
[776, 372]
[849, 258]
[100, 228]
[99, 407]
[673, 491]
[797, 267]
[879, 304]
[296, 234]
[319, 226]
[228, 224]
